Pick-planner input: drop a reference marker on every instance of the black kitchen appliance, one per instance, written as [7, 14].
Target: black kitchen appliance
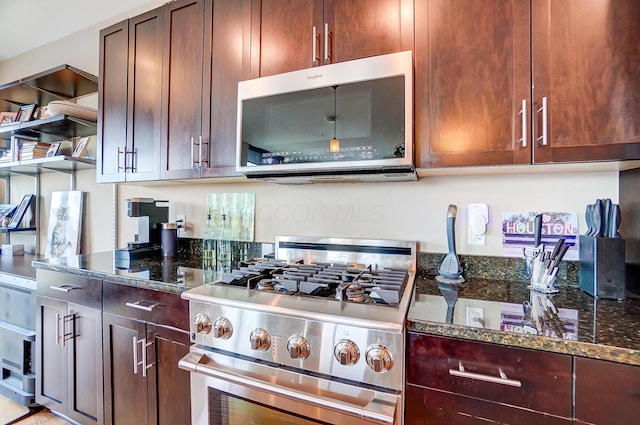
[147, 242]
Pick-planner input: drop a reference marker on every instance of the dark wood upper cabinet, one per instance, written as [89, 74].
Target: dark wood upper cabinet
[585, 63]
[521, 82]
[289, 35]
[129, 99]
[182, 88]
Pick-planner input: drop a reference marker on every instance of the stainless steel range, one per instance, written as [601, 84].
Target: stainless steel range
[315, 335]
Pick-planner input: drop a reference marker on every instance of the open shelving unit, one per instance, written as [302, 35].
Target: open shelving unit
[63, 82]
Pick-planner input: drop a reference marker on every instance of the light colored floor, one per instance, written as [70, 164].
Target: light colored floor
[11, 409]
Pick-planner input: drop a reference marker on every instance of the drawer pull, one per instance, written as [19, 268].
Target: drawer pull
[502, 379]
[142, 305]
[64, 288]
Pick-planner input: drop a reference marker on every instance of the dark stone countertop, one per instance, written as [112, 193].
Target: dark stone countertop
[597, 328]
[175, 274]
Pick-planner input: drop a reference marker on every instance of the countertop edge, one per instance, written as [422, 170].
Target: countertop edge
[124, 280]
[554, 345]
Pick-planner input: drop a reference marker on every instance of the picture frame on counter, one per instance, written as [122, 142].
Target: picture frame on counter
[7, 117]
[26, 112]
[53, 149]
[20, 211]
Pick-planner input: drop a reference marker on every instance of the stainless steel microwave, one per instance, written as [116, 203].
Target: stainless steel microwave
[350, 121]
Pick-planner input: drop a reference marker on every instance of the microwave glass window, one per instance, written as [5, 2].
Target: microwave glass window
[367, 118]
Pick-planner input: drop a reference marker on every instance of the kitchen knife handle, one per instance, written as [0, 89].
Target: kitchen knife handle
[537, 230]
[606, 211]
[523, 112]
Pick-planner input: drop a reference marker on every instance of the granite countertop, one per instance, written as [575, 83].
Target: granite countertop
[597, 328]
[171, 274]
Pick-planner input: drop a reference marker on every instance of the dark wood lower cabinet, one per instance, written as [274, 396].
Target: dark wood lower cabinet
[143, 384]
[69, 347]
[452, 381]
[606, 392]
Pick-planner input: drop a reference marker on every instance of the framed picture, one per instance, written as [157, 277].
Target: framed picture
[53, 149]
[26, 113]
[65, 224]
[81, 147]
[7, 117]
[20, 211]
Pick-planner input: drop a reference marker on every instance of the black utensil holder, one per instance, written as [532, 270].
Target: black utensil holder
[602, 267]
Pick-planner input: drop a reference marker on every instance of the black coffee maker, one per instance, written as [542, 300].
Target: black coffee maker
[151, 214]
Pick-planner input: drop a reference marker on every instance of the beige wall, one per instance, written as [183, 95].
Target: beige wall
[413, 211]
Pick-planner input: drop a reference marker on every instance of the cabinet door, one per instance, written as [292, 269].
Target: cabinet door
[182, 88]
[472, 74]
[112, 107]
[125, 387]
[362, 28]
[585, 64]
[283, 35]
[606, 392]
[226, 70]
[142, 159]
[51, 359]
[169, 386]
[84, 363]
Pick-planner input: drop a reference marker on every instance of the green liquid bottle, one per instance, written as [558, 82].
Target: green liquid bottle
[208, 244]
[223, 258]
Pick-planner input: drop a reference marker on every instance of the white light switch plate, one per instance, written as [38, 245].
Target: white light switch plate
[478, 219]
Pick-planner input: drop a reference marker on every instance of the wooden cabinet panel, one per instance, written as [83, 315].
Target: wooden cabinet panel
[69, 360]
[182, 88]
[70, 288]
[300, 34]
[606, 392]
[226, 45]
[472, 74]
[112, 106]
[145, 78]
[125, 391]
[146, 304]
[286, 41]
[585, 62]
[545, 379]
[431, 407]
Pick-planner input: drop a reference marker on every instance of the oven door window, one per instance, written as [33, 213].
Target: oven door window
[225, 409]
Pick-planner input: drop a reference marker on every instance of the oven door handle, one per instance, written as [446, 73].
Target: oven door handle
[380, 408]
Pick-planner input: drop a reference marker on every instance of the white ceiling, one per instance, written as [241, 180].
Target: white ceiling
[27, 24]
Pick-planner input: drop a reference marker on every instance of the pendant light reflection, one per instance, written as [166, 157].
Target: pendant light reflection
[334, 144]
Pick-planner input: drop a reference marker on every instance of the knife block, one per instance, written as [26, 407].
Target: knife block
[602, 268]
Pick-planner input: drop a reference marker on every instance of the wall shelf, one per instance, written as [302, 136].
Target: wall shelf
[59, 163]
[50, 129]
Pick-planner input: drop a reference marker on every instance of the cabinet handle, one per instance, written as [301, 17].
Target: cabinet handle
[203, 161]
[544, 110]
[327, 43]
[142, 305]
[523, 112]
[64, 288]
[145, 366]
[118, 157]
[193, 161]
[66, 336]
[314, 49]
[58, 329]
[502, 379]
[135, 342]
[132, 168]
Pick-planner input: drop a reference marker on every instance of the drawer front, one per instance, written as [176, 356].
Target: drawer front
[70, 288]
[432, 407]
[606, 392]
[526, 378]
[162, 308]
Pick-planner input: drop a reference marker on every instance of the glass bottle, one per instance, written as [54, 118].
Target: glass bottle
[208, 243]
[223, 252]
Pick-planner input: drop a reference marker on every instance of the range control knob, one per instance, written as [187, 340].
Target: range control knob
[379, 358]
[202, 323]
[260, 340]
[346, 352]
[222, 328]
[298, 347]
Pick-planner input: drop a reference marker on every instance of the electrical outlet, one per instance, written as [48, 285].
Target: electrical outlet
[475, 317]
[478, 216]
[181, 221]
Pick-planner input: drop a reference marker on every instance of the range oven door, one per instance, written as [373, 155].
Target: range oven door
[227, 391]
